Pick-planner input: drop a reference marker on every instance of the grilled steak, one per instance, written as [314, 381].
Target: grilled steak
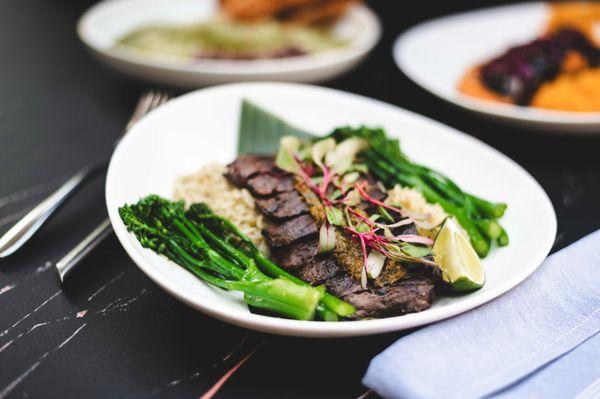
[240, 170]
[343, 286]
[267, 184]
[432, 273]
[297, 255]
[319, 270]
[282, 206]
[286, 233]
[406, 296]
[294, 215]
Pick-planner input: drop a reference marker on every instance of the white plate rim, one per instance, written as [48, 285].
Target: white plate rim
[248, 68]
[322, 329]
[489, 107]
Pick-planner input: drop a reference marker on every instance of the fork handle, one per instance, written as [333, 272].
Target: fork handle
[71, 259]
[26, 227]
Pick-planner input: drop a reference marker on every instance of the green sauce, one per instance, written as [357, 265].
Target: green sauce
[230, 40]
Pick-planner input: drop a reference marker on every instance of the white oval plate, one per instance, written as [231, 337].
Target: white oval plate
[201, 127]
[437, 53]
[103, 24]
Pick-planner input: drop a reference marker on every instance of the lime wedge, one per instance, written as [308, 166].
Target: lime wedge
[459, 262]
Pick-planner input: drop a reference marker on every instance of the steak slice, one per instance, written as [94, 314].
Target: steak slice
[267, 185]
[282, 206]
[406, 296]
[286, 233]
[296, 255]
[429, 272]
[246, 166]
[319, 270]
[343, 285]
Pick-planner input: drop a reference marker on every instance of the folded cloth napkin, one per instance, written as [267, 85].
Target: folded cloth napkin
[539, 340]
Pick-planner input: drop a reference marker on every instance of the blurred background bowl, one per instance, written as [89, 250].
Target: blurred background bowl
[103, 24]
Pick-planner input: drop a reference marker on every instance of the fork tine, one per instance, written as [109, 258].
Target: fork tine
[140, 109]
[161, 98]
[155, 99]
[144, 104]
[149, 101]
[165, 97]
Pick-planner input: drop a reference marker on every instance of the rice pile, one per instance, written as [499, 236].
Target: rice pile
[210, 186]
[413, 200]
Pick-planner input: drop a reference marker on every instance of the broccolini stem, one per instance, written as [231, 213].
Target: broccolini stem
[335, 304]
[197, 268]
[231, 269]
[331, 302]
[282, 296]
[224, 246]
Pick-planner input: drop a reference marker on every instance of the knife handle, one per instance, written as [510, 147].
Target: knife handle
[29, 224]
[80, 251]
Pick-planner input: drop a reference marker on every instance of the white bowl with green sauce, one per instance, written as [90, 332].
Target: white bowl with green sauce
[186, 43]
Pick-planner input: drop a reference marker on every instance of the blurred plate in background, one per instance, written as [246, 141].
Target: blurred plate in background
[102, 26]
[437, 53]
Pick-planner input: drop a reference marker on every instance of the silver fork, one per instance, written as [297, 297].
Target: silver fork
[148, 102]
[27, 226]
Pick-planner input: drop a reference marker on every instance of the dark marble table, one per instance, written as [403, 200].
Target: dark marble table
[109, 331]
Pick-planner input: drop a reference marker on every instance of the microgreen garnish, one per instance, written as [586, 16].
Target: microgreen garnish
[329, 172]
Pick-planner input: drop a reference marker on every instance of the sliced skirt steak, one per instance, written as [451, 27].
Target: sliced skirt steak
[240, 170]
[267, 184]
[295, 256]
[405, 296]
[282, 206]
[291, 231]
[319, 270]
[292, 235]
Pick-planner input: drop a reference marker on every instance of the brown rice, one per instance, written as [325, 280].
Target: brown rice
[209, 185]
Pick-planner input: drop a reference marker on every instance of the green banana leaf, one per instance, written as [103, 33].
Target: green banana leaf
[261, 131]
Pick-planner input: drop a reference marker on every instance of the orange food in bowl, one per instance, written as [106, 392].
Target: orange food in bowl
[582, 15]
[576, 87]
[578, 91]
[472, 85]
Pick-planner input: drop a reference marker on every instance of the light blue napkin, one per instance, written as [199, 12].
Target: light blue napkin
[539, 340]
